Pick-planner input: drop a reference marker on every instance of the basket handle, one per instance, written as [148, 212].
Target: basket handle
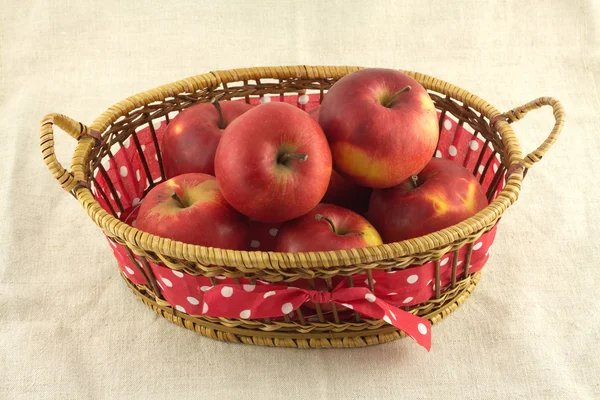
[76, 130]
[519, 112]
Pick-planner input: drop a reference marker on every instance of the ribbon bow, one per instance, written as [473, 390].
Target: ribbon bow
[264, 301]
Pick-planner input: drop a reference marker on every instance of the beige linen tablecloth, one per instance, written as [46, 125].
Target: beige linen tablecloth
[70, 328]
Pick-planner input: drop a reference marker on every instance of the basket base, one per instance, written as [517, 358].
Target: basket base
[326, 335]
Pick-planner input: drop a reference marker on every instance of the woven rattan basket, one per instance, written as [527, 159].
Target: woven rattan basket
[103, 180]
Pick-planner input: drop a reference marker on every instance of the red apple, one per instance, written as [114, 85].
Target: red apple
[382, 126]
[273, 163]
[442, 195]
[190, 141]
[191, 209]
[326, 227]
[345, 193]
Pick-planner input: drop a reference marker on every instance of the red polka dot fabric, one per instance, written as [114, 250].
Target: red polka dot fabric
[224, 297]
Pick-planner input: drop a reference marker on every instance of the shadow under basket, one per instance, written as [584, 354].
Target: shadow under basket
[347, 298]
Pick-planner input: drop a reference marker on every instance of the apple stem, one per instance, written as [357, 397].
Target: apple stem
[221, 123]
[319, 217]
[395, 96]
[415, 181]
[286, 157]
[175, 197]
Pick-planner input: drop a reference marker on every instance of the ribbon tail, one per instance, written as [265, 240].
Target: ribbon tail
[365, 302]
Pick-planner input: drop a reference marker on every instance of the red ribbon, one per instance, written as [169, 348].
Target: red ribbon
[264, 301]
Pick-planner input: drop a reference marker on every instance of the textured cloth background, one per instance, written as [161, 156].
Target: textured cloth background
[69, 327]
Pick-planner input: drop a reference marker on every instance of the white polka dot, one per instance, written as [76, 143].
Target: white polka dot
[393, 315]
[106, 164]
[249, 288]
[412, 279]
[480, 169]
[367, 281]
[265, 99]
[161, 286]
[269, 294]
[118, 194]
[138, 176]
[129, 271]
[287, 308]
[488, 252]
[447, 124]
[495, 168]
[156, 157]
[167, 282]
[205, 288]
[123, 171]
[179, 308]
[458, 263]
[452, 150]
[273, 231]
[478, 246]
[438, 154]
[127, 143]
[444, 261]
[303, 99]
[113, 244]
[156, 124]
[135, 202]
[422, 328]
[143, 147]
[407, 300]
[392, 294]
[245, 314]
[370, 297]
[220, 277]
[178, 274]
[112, 197]
[227, 291]
[392, 272]
[255, 244]
[387, 319]
[204, 308]
[193, 300]
[474, 145]
[429, 282]
[348, 306]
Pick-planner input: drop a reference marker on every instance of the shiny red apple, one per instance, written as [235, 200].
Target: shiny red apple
[273, 163]
[191, 209]
[381, 125]
[190, 141]
[326, 227]
[443, 194]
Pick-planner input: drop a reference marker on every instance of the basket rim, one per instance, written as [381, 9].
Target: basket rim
[435, 243]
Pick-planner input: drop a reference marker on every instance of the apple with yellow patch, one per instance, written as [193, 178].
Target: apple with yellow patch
[326, 227]
[191, 209]
[382, 126]
[443, 194]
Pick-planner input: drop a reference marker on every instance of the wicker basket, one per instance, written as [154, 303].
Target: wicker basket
[498, 164]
